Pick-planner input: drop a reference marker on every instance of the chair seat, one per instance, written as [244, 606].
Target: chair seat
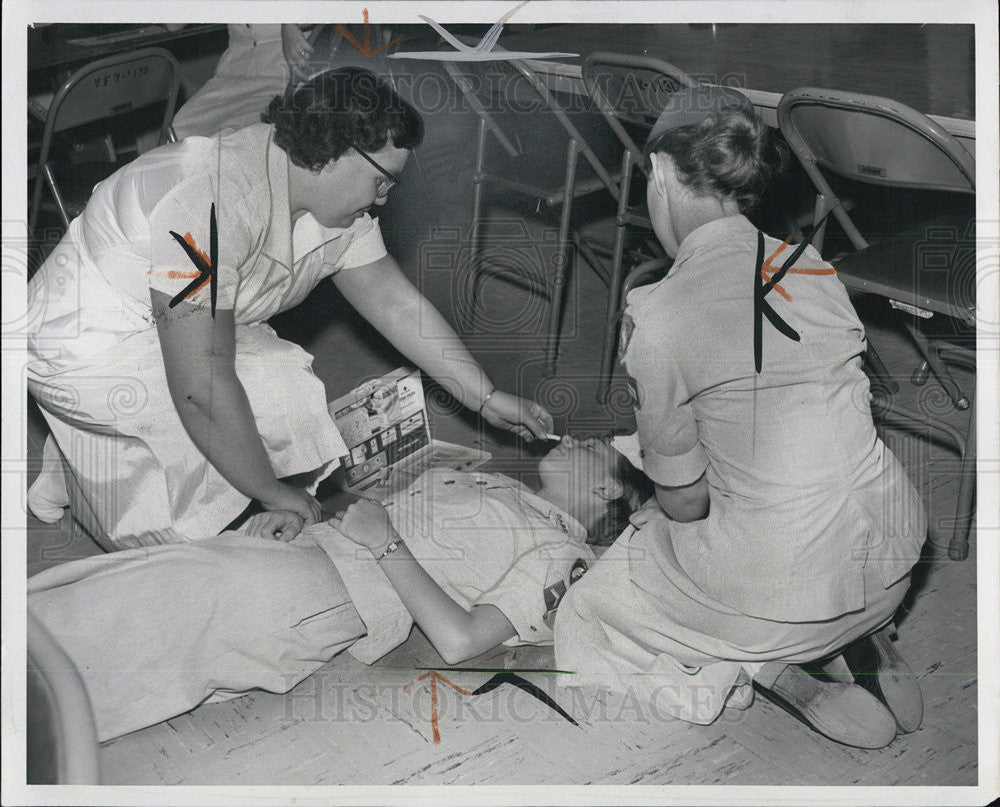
[917, 268]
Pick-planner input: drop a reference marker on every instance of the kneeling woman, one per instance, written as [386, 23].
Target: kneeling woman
[171, 399]
[788, 529]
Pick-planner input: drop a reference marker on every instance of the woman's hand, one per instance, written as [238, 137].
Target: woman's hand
[383, 295]
[295, 46]
[525, 418]
[274, 525]
[367, 524]
[647, 512]
[296, 500]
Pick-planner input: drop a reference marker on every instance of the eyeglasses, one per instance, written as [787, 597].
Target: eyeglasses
[393, 180]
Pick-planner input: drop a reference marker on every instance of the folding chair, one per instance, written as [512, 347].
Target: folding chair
[630, 92]
[879, 141]
[101, 92]
[516, 88]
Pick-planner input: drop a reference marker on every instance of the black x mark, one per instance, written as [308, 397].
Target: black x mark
[762, 289]
[205, 270]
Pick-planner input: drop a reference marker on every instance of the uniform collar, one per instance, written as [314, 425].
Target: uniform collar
[712, 233]
[308, 234]
[287, 243]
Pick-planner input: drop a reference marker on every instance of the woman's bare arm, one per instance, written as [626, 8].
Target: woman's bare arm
[685, 503]
[456, 634]
[200, 362]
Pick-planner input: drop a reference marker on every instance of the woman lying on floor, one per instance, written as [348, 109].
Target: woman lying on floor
[789, 528]
[477, 559]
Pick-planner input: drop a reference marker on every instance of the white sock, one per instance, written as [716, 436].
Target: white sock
[47, 496]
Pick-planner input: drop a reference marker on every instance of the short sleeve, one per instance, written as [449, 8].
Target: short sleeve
[670, 450]
[185, 214]
[532, 589]
[366, 245]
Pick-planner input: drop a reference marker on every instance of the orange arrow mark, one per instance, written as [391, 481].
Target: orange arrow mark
[434, 677]
[767, 270]
[365, 47]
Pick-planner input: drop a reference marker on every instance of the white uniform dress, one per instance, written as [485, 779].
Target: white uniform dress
[135, 477]
[156, 631]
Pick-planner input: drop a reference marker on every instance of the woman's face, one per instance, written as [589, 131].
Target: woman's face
[658, 193]
[579, 476]
[349, 186]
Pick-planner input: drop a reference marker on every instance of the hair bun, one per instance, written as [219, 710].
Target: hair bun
[730, 153]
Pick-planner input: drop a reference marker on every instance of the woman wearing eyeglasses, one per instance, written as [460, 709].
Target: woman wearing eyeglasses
[172, 401]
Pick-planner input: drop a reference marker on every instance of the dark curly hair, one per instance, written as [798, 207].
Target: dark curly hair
[729, 153]
[636, 489]
[338, 110]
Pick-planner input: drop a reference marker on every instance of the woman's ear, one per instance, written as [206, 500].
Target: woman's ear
[611, 490]
[662, 170]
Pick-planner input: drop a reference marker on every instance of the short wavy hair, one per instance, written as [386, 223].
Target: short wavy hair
[338, 110]
[636, 489]
[729, 153]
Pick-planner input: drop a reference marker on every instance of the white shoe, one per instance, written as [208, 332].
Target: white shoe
[843, 712]
[878, 667]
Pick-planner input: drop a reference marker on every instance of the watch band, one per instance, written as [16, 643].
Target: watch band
[394, 544]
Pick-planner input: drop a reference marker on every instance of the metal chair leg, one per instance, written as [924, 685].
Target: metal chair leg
[56, 195]
[46, 178]
[36, 202]
[940, 370]
[591, 257]
[615, 282]
[561, 261]
[958, 546]
[878, 371]
[475, 235]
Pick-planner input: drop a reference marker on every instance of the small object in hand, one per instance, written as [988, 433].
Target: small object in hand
[555, 437]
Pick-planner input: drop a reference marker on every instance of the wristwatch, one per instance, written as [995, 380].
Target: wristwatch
[394, 544]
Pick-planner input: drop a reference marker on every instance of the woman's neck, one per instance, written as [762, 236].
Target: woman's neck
[697, 211]
[571, 505]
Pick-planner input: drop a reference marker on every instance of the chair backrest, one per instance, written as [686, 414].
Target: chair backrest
[104, 90]
[114, 86]
[633, 89]
[875, 140]
[870, 139]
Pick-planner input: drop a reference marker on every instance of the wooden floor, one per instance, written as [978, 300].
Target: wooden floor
[351, 724]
